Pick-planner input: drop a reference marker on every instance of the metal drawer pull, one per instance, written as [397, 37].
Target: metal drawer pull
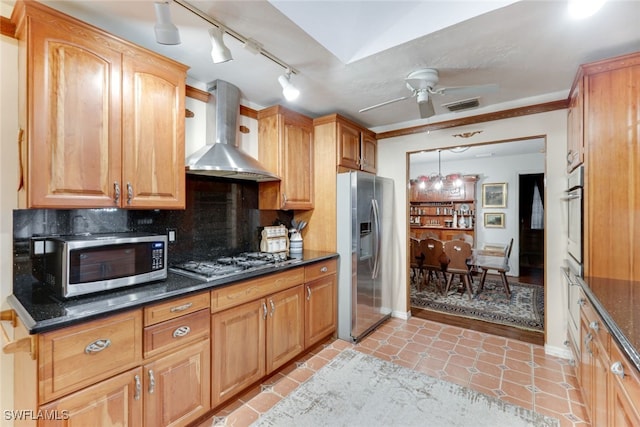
[308, 292]
[182, 307]
[324, 270]
[273, 307]
[152, 382]
[97, 346]
[581, 302]
[594, 325]
[618, 369]
[138, 387]
[181, 331]
[264, 310]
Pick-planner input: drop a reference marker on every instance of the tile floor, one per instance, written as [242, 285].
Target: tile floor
[511, 370]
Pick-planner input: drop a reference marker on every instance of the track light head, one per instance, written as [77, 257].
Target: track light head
[166, 31]
[219, 52]
[289, 91]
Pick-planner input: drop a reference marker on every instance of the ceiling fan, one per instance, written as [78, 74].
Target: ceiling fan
[422, 83]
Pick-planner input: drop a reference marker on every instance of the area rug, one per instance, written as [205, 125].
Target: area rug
[525, 308]
[356, 389]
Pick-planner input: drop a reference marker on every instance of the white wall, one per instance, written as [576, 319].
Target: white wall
[492, 170]
[8, 185]
[393, 163]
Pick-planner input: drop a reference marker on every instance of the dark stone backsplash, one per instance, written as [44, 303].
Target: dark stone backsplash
[221, 218]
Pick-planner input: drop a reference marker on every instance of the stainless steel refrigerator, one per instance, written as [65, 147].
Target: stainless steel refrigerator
[364, 208]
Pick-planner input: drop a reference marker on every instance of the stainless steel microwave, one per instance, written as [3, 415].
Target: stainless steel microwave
[81, 265]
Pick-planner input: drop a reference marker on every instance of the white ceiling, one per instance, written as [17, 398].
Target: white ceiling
[352, 54]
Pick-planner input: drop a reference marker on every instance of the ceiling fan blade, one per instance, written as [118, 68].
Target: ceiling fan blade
[384, 103]
[426, 109]
[467, 90]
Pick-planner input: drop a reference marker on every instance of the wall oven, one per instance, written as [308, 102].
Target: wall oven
[575, 209]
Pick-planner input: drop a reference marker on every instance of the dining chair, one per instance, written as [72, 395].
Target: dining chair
[500, 265]
[433, 250]
[458, 252]
[464, 236]
[416, 261]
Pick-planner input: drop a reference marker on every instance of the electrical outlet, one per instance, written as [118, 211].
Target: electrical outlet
[171, 235]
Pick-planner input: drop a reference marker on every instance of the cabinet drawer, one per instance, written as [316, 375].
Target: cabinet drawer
[80, 355]
[595, 325]
[250, 290]
[175, 332]
[320, 269]
[175, 308]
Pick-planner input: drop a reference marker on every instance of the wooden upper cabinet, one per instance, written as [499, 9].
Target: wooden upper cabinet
[153, 173]
[575, 135]
[612, 160]
[286, 148]
[357, 147]
[99, 113]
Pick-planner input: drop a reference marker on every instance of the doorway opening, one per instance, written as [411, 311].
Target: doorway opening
[512, 170]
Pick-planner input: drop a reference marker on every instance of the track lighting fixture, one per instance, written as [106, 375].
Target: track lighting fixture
[289, 91]
[166, 31]
[219, 52]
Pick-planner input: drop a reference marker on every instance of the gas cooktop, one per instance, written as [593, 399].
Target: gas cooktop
[222, 267]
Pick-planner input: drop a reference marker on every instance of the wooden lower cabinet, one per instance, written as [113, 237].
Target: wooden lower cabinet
[116, 401]
[177, 386]
[320, 309]
[610, 385]
[254, 339]
[238, 350]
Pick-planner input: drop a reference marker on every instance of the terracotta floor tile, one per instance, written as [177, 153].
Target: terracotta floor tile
[515, 372]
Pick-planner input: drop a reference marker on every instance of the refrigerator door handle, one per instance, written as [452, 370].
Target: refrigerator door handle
[376, 225]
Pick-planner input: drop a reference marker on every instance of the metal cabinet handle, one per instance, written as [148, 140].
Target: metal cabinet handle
[587, 341]
[138, 387]
[182, 331]
[595, 325]
[152, 382]
[308, 292]
[180, 308]
[324, 269]
[618, 369]
[273, 307]
[97, 346]
[129, 193]
[116, 190]
[581, 302]
[284, 199]
[264, 310]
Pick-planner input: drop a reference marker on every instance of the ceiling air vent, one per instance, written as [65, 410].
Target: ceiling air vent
[465, 104]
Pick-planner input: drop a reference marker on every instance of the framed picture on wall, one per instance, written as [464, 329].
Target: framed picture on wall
[494, 220]
[494, 195]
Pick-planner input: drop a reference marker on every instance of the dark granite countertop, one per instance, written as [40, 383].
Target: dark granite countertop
[618, 303]
[40, 311]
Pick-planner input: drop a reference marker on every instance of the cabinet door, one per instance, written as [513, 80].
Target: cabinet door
[153, 174]
[320, 309]
[297, 164]
[575, 135]
[73, 117]
[238, 350]
[369, 153]
[116, 401]
[612, 193]
[285, 326]
[624, 391]
[177, 386]
[348, 146]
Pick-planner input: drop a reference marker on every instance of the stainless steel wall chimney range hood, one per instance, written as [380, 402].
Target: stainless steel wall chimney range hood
[220, 157]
